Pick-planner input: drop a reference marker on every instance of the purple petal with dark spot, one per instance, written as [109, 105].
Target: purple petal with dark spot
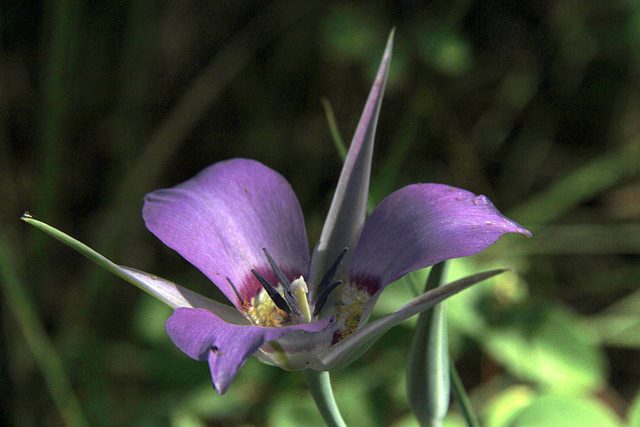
[221, 219]
[421, 225]
[226, 347]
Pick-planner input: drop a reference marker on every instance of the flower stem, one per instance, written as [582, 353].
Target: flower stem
[320, 387]
[461, 396]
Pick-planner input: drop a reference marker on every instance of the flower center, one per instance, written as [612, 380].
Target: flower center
[287, 297]
[287, 302]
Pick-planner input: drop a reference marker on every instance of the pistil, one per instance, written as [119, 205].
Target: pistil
[300, 290]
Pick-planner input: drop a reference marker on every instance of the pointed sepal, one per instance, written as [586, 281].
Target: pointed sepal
[428, 379]
[169, 293]
[349, 205]
[349, 349]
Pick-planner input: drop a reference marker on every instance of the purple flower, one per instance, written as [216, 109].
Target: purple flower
[240, 223]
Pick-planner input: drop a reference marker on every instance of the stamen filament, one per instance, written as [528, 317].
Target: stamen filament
[326, 279]
[235, 290]
[275, 296]
[324, 296]
[286, 285]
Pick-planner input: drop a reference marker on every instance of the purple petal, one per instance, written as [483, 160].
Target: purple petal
[349, 205]
[422, 225]
[221, 220]
[204, 337]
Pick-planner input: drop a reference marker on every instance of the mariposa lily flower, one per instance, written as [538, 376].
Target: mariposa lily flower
[240, 223]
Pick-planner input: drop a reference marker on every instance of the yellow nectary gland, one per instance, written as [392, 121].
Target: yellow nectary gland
[352, 302]
[263, 312]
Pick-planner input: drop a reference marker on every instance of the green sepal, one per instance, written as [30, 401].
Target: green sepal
[428, 379]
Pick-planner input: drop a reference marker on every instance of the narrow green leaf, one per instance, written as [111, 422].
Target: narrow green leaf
[333, 128]
[462, 398]
[594, 177]
[386, 179]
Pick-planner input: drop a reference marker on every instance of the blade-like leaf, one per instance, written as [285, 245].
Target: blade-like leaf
[164, 290]
[349, 206]
[350, 348]
[428, 386]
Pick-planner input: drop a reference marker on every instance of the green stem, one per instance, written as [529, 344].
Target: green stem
[320, 387]
[461, 397]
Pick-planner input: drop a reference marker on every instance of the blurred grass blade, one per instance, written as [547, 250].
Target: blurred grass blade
[39, 343]
[428, 386]
[333, 128]
[462, 398]
[57, 69]
[586, 238]
[598, 175]
[386, 179]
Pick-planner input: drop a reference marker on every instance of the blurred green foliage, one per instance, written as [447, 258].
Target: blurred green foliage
[535, 104]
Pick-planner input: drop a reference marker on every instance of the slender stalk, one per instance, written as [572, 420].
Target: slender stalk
[461, 397]
[320, 387]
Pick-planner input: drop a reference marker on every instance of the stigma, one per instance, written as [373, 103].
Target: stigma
[300, 290]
